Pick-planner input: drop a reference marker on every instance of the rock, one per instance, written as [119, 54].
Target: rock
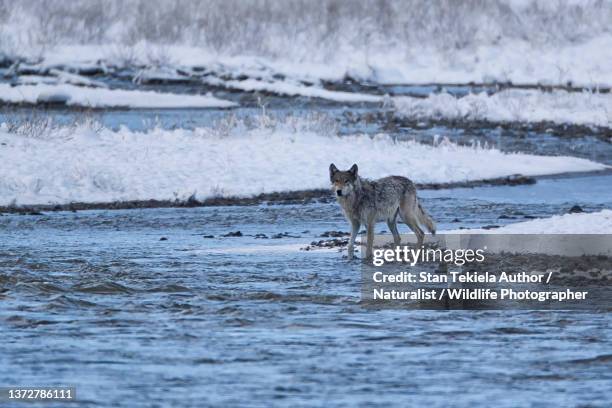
[208, 236]
[456, 220]
[283, 235]
[519, 179]
[576, 209]
[334, 234]
[233, 234]
[261, 236]
[327, 243]
[53, 98]
[163, 239]
[488, 227]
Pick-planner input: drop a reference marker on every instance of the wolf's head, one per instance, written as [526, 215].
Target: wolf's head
[343, 182]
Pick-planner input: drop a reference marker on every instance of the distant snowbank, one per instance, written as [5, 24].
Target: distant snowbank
[521, 41]
[515, 62]
[105, 98]
[265, 82]
[584, 223]
[81, 165]
[586, 64]
[512, 106]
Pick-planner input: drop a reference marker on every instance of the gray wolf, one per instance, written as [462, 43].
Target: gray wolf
[369, 201]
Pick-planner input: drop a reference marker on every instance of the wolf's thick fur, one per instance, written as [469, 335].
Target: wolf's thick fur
[367, 202]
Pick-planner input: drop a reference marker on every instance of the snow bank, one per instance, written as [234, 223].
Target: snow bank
[56, 77]
[515, 61]
[583, 223]
[74, 79]
[385, 42]
[512, 106]
[294, 89]
[81, 165]
[105, 98]
[522, 41]
[586, 64]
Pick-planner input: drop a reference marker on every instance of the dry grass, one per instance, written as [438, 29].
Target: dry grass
[297, 28]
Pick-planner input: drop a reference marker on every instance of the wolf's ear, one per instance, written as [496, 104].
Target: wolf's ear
[353, 170]
[332, 170]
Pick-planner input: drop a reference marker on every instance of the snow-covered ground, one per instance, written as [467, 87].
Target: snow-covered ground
[279, 87]
[72, 95]
[81, 164]
[523, 42]
[56, 76]
[581, 223]
[581, 108]
[290, 47]
[529, 42]
[513, 61]
[503, 63]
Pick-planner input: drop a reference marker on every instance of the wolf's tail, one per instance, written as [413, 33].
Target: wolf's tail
[425, 220]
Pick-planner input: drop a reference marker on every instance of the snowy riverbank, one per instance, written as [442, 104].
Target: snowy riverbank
[525, 106]
[88, 97]
[578, 223]
[89, 164]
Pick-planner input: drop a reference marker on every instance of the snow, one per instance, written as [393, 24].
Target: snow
[584, 64]
[160, 74]
[186, 75]
[74, 79]
[520, 41]
[80, 164]
[581, 223]
[581, 108]
[293, 89]
[105, 98]
[58, 77]
[34, 80]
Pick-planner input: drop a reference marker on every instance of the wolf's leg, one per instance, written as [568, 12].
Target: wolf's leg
[414, 226]
[408, 214]
[370, 243]
[392, 224]
[355, 225]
